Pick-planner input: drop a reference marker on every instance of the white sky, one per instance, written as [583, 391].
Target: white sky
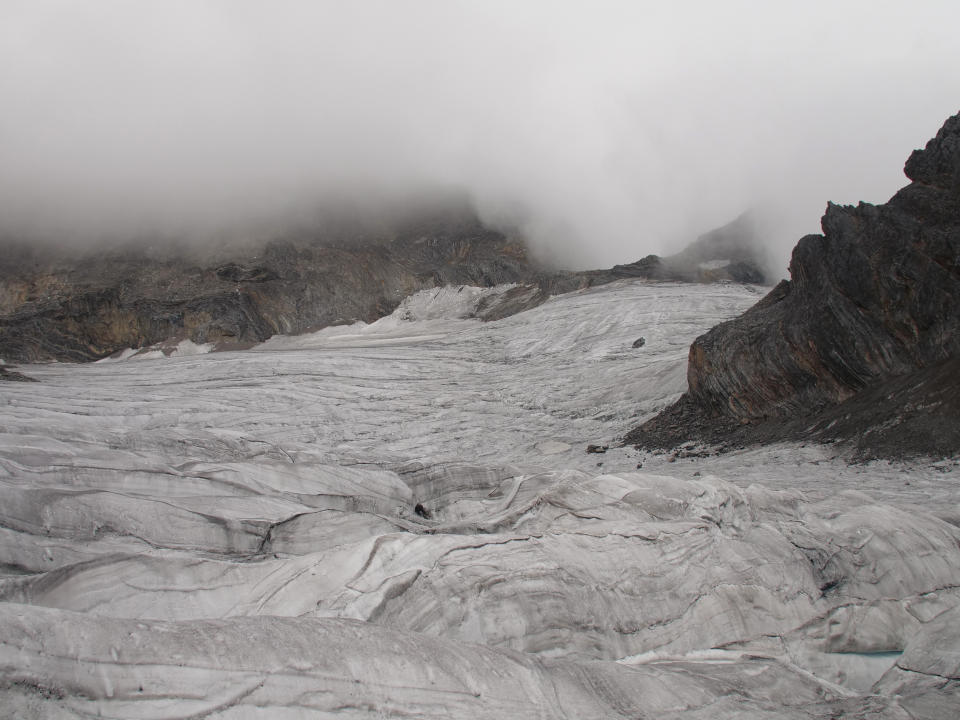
[613, 129]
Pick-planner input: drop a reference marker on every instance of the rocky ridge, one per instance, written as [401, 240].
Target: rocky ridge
[861, 344]
[89, 307]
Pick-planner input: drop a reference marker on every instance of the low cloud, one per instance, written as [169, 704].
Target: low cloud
[606, 130]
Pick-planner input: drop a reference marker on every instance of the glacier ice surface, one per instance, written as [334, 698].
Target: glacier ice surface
[400, 520]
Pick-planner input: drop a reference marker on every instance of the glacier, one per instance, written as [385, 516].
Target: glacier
[400, 519]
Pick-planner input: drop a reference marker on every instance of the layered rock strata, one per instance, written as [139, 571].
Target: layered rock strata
[870, 315]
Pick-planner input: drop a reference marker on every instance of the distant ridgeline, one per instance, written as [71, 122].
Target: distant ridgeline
[87, 307]
[862, 344]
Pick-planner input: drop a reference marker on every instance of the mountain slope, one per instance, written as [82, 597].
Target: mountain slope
[873, 300]
[86, 307]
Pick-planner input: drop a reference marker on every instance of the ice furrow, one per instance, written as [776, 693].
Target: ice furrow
[405, 521]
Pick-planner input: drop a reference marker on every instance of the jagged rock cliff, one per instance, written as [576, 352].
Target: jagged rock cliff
[88, 307]
[869, 319]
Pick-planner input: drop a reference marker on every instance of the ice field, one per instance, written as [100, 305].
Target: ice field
[401, 520]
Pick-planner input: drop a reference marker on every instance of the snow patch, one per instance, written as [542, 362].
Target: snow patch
[188, 347]
[713, 264]
[424, 316]
[158, 351]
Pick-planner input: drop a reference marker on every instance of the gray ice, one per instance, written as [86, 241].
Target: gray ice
[400, 520]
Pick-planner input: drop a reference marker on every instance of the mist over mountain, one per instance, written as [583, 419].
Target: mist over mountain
[603, 131]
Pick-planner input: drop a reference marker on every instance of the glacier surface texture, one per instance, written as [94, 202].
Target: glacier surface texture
[401, 520]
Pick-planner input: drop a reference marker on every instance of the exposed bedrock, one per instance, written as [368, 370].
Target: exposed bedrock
[874, 299]
[88, 307]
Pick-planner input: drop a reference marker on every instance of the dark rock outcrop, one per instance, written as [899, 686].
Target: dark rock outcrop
[87, 307]
[8, 373]
[870, 319]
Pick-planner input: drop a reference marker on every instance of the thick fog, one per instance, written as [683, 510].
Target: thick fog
[606, 130]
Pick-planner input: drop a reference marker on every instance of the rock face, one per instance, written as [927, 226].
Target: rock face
[86, 308]
[872, 301]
